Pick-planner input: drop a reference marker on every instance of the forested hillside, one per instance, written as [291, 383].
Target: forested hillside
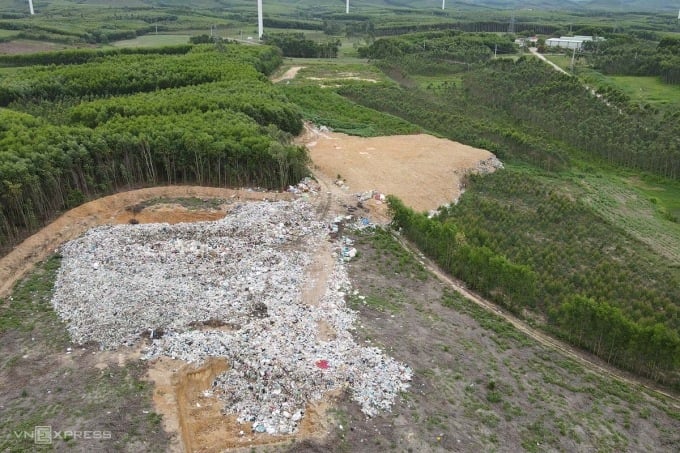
[526, 237]
[206, 117]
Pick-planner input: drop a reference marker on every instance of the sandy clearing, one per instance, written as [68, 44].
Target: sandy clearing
[424, 171]
[288, 75]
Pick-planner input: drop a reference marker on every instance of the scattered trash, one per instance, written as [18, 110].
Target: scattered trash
[307, 185]
[246, 270]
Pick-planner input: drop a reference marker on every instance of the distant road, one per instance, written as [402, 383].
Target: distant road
[534, 51]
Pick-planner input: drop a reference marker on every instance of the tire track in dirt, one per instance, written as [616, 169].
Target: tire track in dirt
[588, 361]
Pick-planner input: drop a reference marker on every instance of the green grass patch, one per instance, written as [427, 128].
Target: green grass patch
[331, 72]
[324, 106]
[645, 210]
[648, 90]
[153, 40]
[8, 33]
[563, 61]
[191, 203]
[29, 305]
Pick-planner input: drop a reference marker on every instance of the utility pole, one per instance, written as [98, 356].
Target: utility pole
[573, 57]
[495, 51]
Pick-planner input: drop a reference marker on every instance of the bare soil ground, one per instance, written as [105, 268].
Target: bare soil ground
[424, 171]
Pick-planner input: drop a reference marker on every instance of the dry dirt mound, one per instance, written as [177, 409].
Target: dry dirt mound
[424, 171]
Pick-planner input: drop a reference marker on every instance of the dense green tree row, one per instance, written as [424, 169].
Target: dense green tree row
[653, 350]
[45, 168]
[297, 46]
[481, 268]
[520, 243]
[126, 74]
[255, 97]
[451, 46]
[80, 56]
[270, 22]
[392, 29]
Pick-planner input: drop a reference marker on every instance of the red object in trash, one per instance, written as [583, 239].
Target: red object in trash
[323, 364]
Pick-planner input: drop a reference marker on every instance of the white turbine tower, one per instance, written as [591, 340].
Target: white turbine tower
[30, 7]
[347, 7]
[443, 4]
[260, 27]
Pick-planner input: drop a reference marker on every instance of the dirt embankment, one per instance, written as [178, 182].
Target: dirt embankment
[111, 209]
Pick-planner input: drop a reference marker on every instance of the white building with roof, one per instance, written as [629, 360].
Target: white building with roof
[570, 42]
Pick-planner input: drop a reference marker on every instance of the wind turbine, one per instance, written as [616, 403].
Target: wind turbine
[347, 7]
[30, 7]
[443, 4]
[260, 27]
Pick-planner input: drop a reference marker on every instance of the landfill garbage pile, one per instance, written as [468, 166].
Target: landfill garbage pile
[245, 271]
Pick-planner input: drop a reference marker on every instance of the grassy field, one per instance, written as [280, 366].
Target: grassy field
[639, 208]
[642, 90]
[563, 61]
[153, 41]
[7, 71]
[48, 381]
[648, 89]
